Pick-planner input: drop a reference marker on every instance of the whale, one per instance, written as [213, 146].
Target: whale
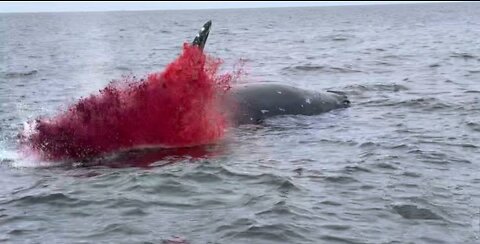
[183, 113]
[253, 103]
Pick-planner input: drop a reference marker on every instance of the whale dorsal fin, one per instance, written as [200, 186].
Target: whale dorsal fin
[202, 35]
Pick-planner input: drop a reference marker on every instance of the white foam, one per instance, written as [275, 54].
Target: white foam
[22, 158]
[27, 158]
[29, 128]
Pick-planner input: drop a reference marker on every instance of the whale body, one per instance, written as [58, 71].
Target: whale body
[253, 103]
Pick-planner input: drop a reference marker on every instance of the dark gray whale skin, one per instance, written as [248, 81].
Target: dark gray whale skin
[253, 103]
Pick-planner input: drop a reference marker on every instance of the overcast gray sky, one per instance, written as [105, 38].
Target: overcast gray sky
[46, 6]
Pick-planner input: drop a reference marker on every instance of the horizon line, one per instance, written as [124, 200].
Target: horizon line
[298, 4]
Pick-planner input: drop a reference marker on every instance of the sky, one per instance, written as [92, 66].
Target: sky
[81, 6]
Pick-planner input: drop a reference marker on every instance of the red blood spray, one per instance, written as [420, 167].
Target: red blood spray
[178, 107]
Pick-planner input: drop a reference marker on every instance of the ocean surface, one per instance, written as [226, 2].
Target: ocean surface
[401, 165]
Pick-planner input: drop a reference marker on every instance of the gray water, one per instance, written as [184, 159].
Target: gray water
[399, 166]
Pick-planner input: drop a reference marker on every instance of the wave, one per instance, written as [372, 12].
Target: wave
[338, 37]
[413, 212]
[378, 87]
[463, 55]
[11, 75]
[423, 103]
[321, 68]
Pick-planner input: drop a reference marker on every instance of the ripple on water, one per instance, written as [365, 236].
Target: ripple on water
[356, 169]
[413, 212]
[282, 209]
[475, 126]
[339, 37]
[338, 239]
[240, 223]
[123, 229]
[440, 158]
[385, 165]
[330, 203]
[463, 55]
[53, 199]
[340, 179]
[202, 177]
[335, 227]
[320, 68]
[281, 182]
[12, 75]
[266, 233]
[412, 174]
[360, 89]
[427, 104]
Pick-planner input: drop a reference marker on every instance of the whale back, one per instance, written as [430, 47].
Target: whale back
[256, 102]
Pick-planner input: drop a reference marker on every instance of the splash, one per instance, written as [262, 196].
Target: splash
[179, 107]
